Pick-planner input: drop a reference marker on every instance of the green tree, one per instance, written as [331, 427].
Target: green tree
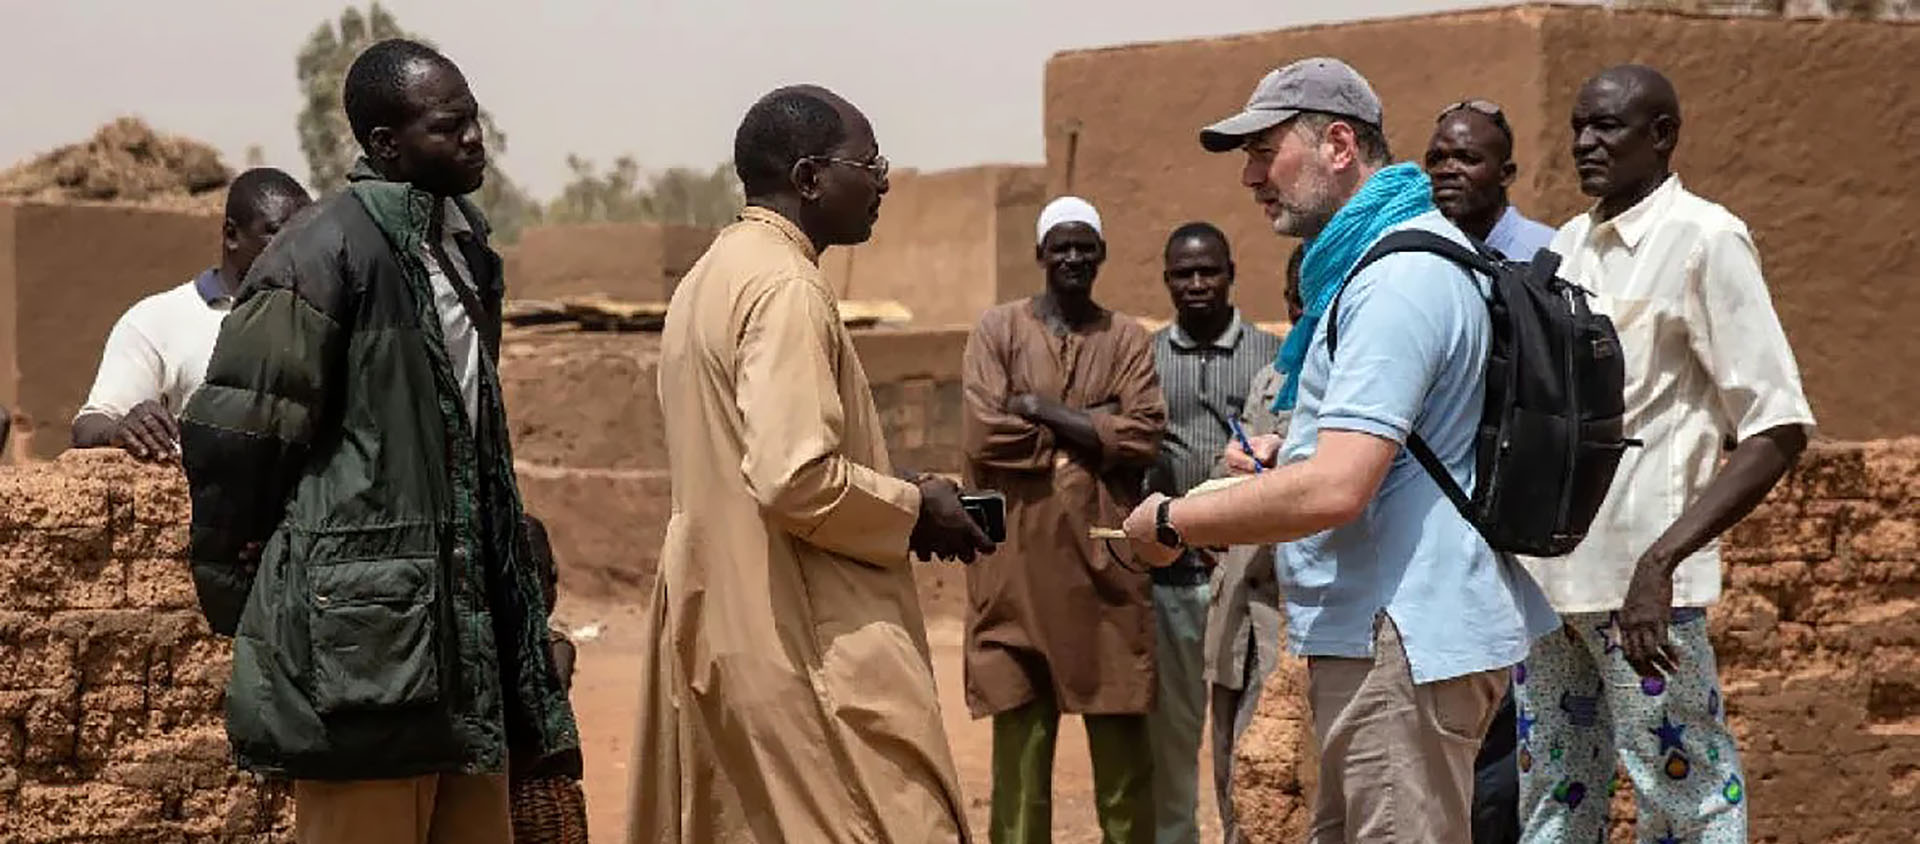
[680, 195]
[327, 140]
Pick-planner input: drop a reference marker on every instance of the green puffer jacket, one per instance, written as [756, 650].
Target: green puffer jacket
[395, 626]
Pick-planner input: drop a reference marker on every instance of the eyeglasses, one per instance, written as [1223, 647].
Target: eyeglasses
[1485, 107]
[877, 168]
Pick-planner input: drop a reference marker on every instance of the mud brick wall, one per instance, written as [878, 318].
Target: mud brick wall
[1818, 636]
[1121, 122]
[110, 685]
[633, 261]
[587, 437]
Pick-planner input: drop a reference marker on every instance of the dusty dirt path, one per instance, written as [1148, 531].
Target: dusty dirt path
[605, 697]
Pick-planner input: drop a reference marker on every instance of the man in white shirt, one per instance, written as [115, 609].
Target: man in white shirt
[1633, 677]
[157, 353]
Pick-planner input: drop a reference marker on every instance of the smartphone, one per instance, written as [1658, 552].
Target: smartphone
[989, 511]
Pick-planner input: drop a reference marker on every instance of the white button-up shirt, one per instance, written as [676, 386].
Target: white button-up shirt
[1705, 358]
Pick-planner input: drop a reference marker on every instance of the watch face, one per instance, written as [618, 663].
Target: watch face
[1167, 536]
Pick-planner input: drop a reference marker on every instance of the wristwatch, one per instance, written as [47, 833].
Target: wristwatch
[1163, 529]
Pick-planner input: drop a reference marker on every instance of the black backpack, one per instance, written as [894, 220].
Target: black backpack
[1550, 435]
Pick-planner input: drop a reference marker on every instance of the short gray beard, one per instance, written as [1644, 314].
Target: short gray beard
[1307, 217]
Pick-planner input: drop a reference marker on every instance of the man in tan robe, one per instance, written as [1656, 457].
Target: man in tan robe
[1064, 416]
[788, 695]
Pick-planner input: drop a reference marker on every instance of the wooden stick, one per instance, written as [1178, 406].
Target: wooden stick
[1106, 533]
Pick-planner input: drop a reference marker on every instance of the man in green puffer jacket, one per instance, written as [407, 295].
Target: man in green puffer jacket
[356, 525]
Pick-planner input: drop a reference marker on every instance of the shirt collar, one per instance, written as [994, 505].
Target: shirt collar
[1226, 341]
[1502, 230]
[1634, 223]
[211, 291]
[452, 219]
[770, 217]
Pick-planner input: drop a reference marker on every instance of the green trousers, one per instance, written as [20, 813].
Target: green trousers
[1023, 743]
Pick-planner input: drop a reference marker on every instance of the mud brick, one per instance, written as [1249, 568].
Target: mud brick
[187, 707]
[1892, 534]
[1779, 533]
[202, 661]
[110, 718]
[159, 496]
[160, 584]
[115, 657]
[57, 546]
[49, 500]
[118, 646]
[46, 720]
[1832, 471]
[36, 658]
[1893, 470]
[113, 812]
[61, 582]
[151, 540]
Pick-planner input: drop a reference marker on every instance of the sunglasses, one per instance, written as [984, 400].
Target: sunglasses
[1485, 107]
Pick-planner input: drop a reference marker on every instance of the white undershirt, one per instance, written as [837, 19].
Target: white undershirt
[456, 327]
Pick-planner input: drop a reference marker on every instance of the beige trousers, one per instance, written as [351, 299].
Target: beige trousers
[433, 809]
[1396, 758]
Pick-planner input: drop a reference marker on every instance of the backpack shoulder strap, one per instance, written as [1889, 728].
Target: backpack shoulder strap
[1438, 471]
[1476, 259]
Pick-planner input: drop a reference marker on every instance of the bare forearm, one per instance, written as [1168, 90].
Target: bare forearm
[1751, 471]
[1296, 500]
[93, 430]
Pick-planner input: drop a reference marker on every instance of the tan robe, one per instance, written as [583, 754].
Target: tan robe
[788, 694]
[1052, 606]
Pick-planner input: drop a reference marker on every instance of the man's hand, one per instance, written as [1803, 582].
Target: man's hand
[1266, 449]
[1141, 529]
[1644, 617]
[944, 530]
[148, 432]
[1027, 406]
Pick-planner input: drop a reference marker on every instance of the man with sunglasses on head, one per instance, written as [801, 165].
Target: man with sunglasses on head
[1470, 162]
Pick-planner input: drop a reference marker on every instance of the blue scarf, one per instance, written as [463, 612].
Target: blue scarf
[1392, 196]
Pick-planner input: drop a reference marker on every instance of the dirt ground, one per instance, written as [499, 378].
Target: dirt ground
[605, 696]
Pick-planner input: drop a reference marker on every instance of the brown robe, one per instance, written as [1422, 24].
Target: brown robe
[1052, 606]
[787, 693]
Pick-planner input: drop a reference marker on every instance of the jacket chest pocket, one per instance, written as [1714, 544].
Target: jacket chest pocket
[373, 632]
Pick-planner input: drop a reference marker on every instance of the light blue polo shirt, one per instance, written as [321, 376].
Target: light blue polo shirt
[1414, 332]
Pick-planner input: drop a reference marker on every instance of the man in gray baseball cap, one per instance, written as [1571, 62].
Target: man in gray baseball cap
[1327, 86]
[1377, 567]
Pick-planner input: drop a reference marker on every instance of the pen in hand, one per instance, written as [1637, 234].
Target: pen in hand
[1240, 434]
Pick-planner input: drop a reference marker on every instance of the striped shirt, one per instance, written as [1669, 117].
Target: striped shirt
[1203, 385]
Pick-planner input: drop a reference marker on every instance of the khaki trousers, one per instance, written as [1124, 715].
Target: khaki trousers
[433, 809]
[1396, 758]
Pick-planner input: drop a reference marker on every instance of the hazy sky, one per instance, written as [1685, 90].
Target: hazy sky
[946, 82]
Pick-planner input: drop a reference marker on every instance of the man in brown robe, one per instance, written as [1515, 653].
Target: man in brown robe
[1064, 416]
[788, 694]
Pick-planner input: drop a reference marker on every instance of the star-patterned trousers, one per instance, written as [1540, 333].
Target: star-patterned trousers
[1581, 706]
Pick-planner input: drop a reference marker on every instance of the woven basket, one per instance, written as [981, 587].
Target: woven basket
[549, 810]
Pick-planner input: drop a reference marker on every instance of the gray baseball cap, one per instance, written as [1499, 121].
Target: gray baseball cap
[1316, 84]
